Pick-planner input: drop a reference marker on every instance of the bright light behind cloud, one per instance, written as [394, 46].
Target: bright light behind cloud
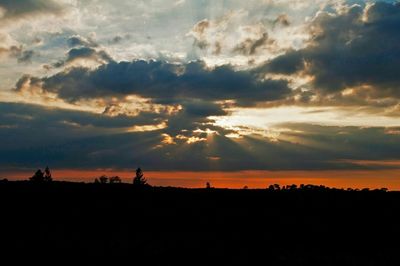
[271, 118]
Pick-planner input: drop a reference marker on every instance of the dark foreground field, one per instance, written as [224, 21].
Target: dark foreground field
[164, 226]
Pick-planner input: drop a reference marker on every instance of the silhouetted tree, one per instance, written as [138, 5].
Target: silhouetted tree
[115, 179]
[38, 176]
[139, 179]
[103, 179]
[47, 175]
[208, 185]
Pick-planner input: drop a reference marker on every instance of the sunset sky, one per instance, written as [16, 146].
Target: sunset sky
[229, 92]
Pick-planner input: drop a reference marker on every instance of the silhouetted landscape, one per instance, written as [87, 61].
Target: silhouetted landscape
[307, 225]
[267, 132]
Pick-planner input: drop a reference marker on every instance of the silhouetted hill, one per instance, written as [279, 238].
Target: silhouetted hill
[170, 226]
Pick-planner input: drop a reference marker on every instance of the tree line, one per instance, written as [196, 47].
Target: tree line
[139, 180]
[45, 176]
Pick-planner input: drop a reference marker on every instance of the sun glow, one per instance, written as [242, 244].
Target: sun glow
[146, 128]
[274, 118]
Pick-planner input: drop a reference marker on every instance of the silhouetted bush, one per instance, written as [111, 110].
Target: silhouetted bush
[115, 179]
[103, 179]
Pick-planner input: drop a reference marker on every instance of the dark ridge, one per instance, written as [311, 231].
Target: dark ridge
[78, 222]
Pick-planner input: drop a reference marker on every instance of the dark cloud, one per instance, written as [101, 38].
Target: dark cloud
[194, 115]
[63, 137]
[37, 116]
[15, 9]
[26, 80]
[162, 82]
[359, 46]
[77, 40]
[166, 84]
[202, 108]
[85, 53]
[88, 53]
[348, 143]
[33, 135]
[289, 63]
[66, 138]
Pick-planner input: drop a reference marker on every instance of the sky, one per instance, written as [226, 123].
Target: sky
[229, 92]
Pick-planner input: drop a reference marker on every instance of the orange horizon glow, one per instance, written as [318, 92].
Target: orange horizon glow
[251, 178]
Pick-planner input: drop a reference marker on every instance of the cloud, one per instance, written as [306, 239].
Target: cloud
[35, 115]
[10, 48]
[160, 81]
[64, 137]
[200, 108]
[229, 33]
[26, 56]
[356, 47]
[85, 55]
[34, 135]
[88, 53]
[117, 39]
[282, 20]
[84, 51]
[199, 34]
[77, 40]
[250, 46]
[19, 9]
[12, 51]
[350, 58]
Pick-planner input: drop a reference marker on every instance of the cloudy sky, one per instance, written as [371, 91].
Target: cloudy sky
[232, 92]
